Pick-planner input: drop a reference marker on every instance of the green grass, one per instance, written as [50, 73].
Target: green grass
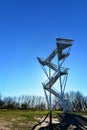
[80, 113]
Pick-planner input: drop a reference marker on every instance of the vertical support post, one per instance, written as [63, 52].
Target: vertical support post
[60, 80]
[62, 94]
[50, 124]
[50, 117]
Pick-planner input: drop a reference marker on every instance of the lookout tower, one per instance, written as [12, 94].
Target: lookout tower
[56, 72]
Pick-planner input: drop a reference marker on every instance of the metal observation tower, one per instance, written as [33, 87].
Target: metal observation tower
[56, 73]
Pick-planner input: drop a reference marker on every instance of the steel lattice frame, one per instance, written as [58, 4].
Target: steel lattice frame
[62, 50]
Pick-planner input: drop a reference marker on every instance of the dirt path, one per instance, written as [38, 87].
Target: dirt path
[65, 122]
[4, 125]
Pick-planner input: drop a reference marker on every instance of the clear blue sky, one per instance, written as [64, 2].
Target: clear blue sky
[28, 28]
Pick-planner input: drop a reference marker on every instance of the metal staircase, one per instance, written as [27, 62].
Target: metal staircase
[62, 50]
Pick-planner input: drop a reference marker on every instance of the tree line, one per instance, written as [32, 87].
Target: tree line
[22, 102]
[77, 101]
[74, 101]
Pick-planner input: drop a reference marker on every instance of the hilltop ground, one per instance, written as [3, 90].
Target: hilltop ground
[26, 120]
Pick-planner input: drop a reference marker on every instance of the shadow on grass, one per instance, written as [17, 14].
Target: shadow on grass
[67, 121]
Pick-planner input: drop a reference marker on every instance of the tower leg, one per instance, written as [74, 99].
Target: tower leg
[50, 119]
[63, 104]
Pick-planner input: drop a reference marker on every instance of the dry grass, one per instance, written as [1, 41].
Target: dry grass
[19, 119]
